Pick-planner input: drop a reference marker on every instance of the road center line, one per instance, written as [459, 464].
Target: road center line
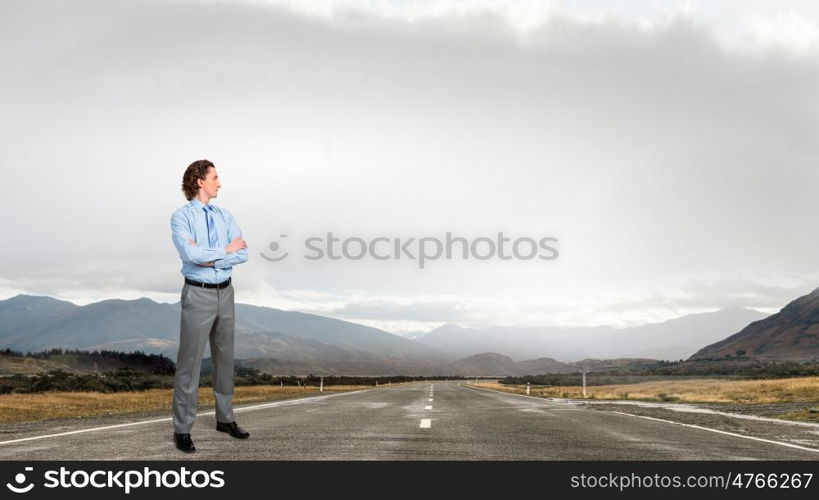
[425, 423]
[428, 407]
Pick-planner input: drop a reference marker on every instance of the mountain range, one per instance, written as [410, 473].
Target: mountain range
[792, 334]
[495, 364]
[31, 323]
[674, 339]
[288, 342]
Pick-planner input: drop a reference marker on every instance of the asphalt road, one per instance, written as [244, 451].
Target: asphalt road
[419, 421]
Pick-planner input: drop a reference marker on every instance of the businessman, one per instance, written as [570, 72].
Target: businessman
[209, 243]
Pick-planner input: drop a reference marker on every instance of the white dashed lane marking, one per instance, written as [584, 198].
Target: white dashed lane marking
[425, 422]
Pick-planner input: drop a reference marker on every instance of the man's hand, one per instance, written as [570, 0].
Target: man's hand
[236, 245]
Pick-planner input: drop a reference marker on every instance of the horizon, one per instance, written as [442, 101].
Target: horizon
[475, 327]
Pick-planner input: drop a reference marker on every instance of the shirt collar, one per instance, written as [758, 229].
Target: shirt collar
[195, 203]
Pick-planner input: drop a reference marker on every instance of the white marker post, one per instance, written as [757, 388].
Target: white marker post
[376, 383]
[527, 388]
[584, 383]
[321, 384]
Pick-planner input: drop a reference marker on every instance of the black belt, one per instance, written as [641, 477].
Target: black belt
[223, 284]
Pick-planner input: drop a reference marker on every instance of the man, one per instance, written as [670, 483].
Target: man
[209, 243]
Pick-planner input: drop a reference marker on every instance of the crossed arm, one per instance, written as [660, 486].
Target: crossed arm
[218, 257]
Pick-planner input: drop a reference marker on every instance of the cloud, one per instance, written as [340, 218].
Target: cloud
[786, 31]
[656, 153]
[738, 25]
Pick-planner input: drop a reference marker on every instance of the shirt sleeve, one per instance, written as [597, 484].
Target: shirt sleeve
[189, 252]
[232, 258]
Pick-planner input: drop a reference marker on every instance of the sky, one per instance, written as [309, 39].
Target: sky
[669, 147]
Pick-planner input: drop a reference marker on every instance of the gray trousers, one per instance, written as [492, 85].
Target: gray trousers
[207, 314]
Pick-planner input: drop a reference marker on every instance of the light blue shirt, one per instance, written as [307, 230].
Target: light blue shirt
[188, 223]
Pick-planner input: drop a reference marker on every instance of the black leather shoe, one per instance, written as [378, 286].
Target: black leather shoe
[184, 443]
[232, 429]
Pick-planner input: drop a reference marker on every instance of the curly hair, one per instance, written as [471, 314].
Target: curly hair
[195, 171]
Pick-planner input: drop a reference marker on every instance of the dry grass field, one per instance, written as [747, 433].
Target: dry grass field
[53, 405]
[790, 390]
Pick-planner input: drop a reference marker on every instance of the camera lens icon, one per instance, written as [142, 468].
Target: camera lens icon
[20, 478]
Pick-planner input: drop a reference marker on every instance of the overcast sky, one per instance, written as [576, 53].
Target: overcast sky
[670, 147]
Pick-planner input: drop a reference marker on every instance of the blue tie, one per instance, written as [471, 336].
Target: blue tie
[212, 239]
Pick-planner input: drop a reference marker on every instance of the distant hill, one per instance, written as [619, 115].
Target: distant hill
[82, 362]
[330, 331]
[543, 365]
[279, 354]
[25, 365]
[23, 314]
[315, 343]
[517, 342]
[486, 364]
[618, 364]
[674, 339]
[495, 364]
[93, 324]
[792, 334]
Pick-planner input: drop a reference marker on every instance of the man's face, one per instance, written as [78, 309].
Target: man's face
[210, 186]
